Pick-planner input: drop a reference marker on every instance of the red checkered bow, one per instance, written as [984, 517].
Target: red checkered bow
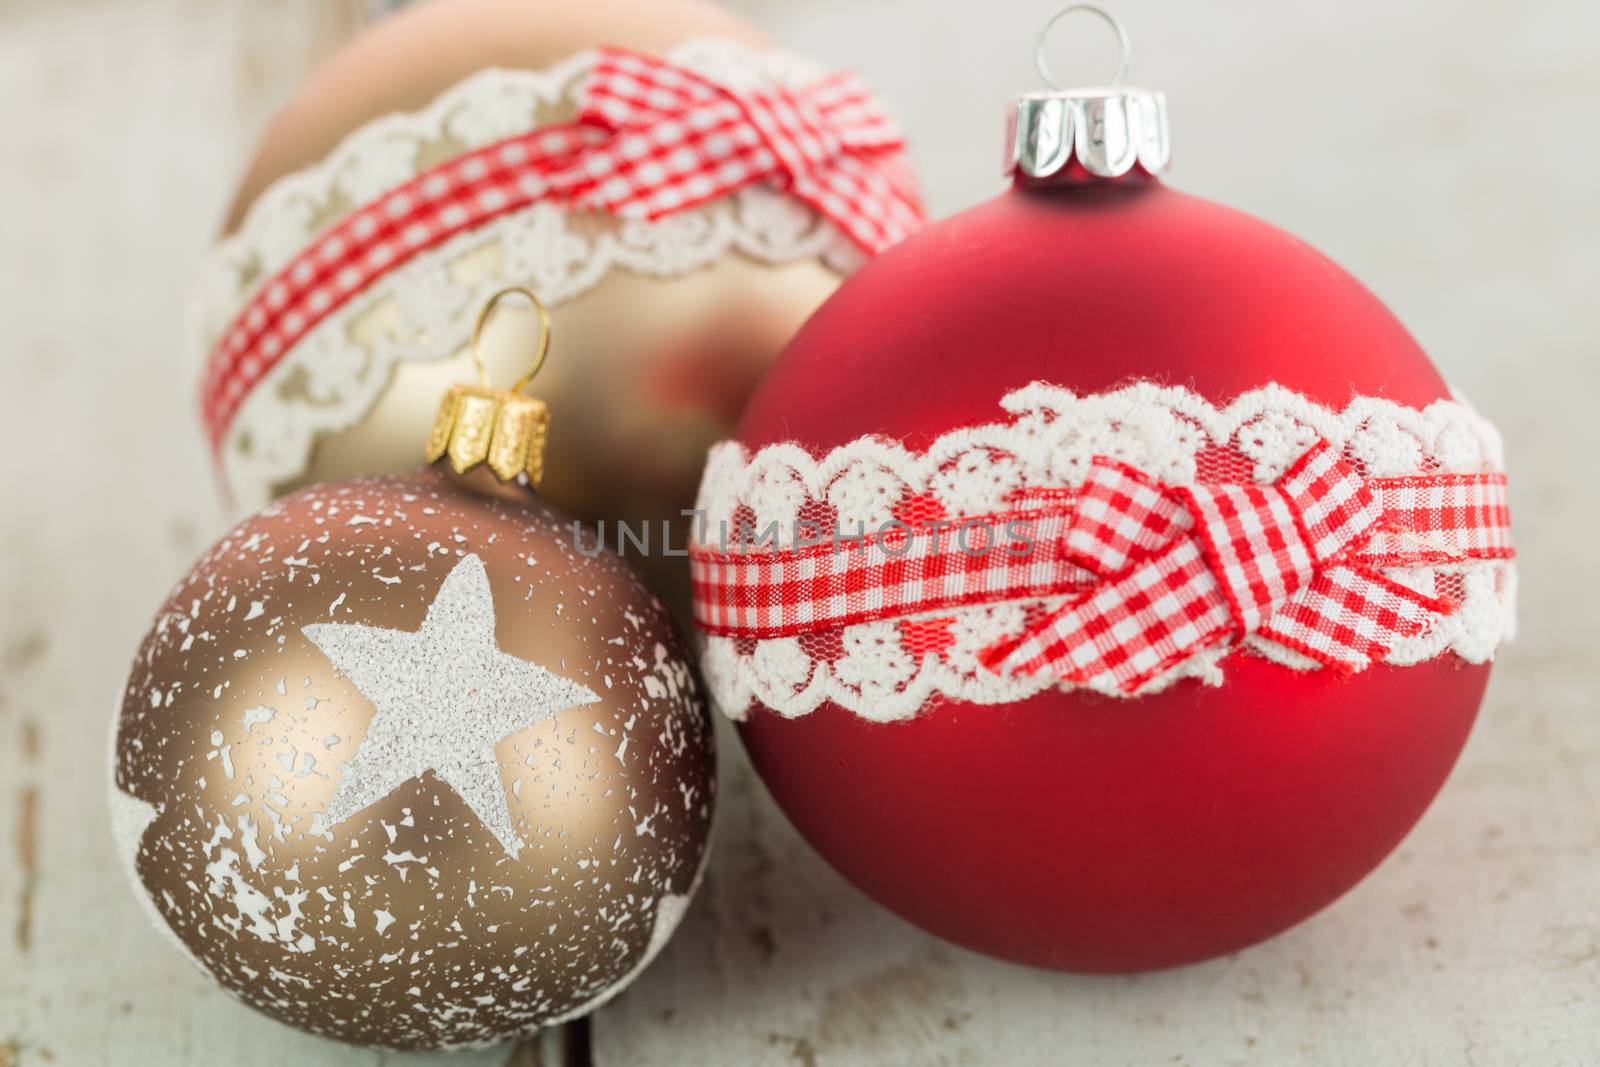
[651, 139]
[1301, 561]
[679, 139]
[1186, 568]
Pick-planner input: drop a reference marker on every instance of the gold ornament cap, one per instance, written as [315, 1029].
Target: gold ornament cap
[502, 428]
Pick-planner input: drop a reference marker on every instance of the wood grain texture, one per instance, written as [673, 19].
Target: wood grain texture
[1437, 150]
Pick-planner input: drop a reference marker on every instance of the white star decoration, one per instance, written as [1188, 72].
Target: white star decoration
[445, 695]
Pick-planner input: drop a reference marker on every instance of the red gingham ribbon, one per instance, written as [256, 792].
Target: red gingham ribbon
[1157, 573]
[1189, 567]
[678, 140]
[651, 138]
[881, 575]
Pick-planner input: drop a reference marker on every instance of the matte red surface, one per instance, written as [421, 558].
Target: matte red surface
[1075, 831]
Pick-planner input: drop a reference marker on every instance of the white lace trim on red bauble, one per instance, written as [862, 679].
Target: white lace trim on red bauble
[1460, 570]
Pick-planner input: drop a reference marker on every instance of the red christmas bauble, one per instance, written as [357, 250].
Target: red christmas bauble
[1069, 830]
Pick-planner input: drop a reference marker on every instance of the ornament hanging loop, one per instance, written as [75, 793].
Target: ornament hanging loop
[1043, 67]
[483, 320]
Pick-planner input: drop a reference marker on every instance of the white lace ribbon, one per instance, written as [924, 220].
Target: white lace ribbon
[333, 377]
[888, 668]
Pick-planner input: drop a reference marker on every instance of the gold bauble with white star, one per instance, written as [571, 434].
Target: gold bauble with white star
[408, 765]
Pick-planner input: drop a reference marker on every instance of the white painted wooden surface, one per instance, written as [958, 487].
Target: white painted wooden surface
[1443, 152]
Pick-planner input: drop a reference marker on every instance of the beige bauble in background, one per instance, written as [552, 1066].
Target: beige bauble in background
[402, 62]
[666, 328]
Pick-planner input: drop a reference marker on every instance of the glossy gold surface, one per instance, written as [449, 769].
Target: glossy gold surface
[644, 375]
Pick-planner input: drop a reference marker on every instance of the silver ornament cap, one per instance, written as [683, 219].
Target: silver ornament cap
[1109, 130]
